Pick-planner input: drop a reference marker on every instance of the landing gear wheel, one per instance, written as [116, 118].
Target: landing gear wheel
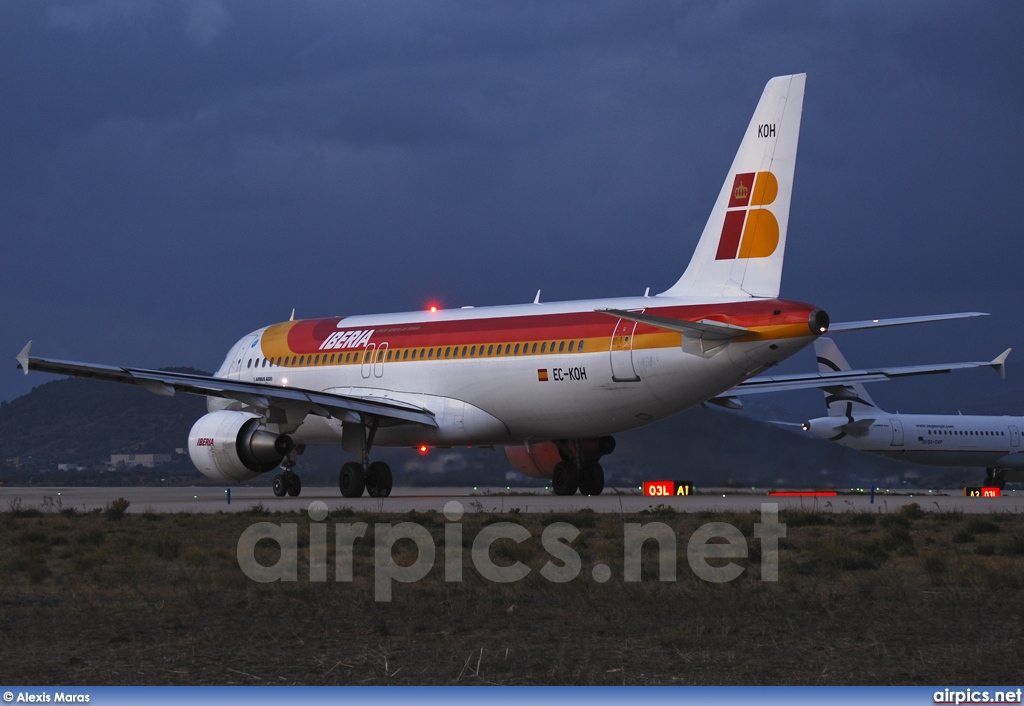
[592, 479]
[351, 480]
[378, 480]
[280, 486]
[294, 485]
[565, 478]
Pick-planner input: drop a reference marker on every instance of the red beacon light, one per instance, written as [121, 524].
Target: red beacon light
[423, 448]
[432, 308]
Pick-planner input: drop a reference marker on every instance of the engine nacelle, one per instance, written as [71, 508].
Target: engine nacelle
[539, 460]
[227, 445]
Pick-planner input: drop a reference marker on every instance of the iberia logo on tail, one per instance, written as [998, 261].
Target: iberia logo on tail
[749, 231]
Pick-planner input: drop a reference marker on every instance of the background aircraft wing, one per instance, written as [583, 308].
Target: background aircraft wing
[291, 400]
[838, 378]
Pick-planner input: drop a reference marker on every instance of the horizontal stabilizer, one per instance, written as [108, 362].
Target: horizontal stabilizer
[727, 401]
[841, 378]
[859, 427]
[704, 328]
[902, 321]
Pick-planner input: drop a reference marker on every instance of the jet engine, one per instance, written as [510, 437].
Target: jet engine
[539, 460]
[226, 445]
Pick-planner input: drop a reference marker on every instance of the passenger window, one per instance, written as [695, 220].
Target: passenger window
[472, 352]
[490, 349]
[579, 348]
[414, 354]
[249, 363]
[431, 353]
[355, 357]
[516, 351]
[264, 363]
[447, 351]
[389, 355]
[561, 346]
[543, 346]
[405, 356]
[317, 360]
[508, 348]
[571, 344]
[464, 351]
[534, 348]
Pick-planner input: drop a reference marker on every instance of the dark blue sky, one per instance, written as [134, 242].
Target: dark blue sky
[176, 174]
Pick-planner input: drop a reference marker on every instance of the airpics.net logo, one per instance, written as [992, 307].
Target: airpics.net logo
[713, 540]
[968, 696]
[750, 232]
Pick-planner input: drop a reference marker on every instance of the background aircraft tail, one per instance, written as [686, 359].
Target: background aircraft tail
[851, 401]
[741, 250]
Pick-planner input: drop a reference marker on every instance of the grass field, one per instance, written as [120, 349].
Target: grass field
[141, 598]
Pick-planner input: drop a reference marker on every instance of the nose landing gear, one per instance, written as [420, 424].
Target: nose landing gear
[288, 482]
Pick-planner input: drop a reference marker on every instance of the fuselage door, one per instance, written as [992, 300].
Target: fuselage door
[897, 432]
[239, 355]
[1014, 437]
[367, 367]
[622, 352]
[378, 365]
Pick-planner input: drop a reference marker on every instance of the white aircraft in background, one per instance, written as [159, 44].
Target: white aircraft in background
[548, 382]
[856, 421]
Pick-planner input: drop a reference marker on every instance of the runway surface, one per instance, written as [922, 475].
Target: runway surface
[212, 499]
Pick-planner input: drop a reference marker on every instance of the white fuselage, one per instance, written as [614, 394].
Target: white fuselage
[625, 376]
[933, 439]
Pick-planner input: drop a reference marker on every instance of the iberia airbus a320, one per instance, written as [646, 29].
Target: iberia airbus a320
[548, 382]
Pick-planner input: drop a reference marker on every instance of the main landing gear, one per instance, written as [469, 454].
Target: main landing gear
[579, 468]
[354, 478]
[995, 478]
[288, 482]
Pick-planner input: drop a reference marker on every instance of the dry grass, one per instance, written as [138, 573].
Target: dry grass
[912, 598]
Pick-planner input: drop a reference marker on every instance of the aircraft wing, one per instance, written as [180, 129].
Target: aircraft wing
[841, 378]
[292, 400]
[902, 321]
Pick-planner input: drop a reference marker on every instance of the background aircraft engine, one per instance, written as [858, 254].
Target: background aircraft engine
[227, 445]
[539, 460]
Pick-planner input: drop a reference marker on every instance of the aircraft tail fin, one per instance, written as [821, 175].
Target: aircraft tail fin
[849, 401]
[741, 250]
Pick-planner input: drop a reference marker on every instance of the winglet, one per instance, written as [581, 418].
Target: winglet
[999, 363]
[536, 299]
[292, 317]
[23, 357]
